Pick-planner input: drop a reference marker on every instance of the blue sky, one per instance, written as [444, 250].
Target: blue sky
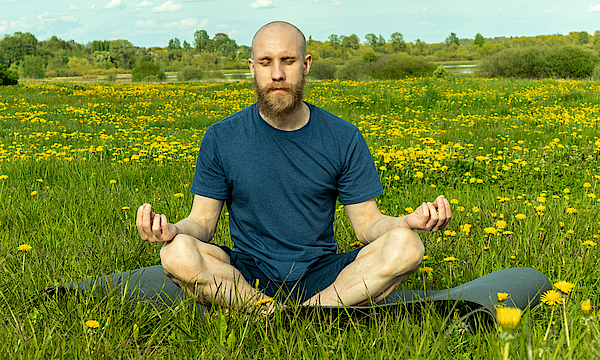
[153, 22]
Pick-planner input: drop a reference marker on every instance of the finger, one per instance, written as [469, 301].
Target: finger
[147, 221]
[164, 225]
[441, 216]
[433, 217]
[139, 222]
[156, 228]
[448, 213]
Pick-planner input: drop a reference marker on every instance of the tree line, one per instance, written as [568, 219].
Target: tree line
[344, 56]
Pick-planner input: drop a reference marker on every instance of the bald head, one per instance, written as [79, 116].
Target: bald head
[276, 29]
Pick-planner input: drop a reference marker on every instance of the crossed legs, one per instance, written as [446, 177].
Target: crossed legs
[205, 272]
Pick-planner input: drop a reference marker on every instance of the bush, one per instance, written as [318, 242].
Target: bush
[533, 63]
[33, 67]
[190, 73]
[355, 69]
[322, 70]
[597, 73]
[214, 75]
[147, 71]
[112, 77]
[571, 62]
[8, 77]
[441, 72]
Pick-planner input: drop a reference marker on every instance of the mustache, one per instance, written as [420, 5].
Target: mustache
[276, 86]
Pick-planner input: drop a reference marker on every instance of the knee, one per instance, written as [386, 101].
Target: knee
[403, 252]
[175, 254]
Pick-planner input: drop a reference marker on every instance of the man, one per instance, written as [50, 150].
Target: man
[280, 165]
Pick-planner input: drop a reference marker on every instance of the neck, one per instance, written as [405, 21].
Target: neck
[292, 122]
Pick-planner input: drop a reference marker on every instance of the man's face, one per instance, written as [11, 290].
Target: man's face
[279, 68]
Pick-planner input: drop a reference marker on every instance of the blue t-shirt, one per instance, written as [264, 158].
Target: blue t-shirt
[281, 187]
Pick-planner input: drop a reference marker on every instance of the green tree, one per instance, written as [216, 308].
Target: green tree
[583, 37]
[186, 46]
[123, 53]
[479, 40]
[371, 39]
[14, 48]
[147, 71]
[334, 40]
[351, 41]
[397, 41]
[380, 40]
[452, 39]
[322, 70]
[33, 67]
[174, 44]
[201, 40]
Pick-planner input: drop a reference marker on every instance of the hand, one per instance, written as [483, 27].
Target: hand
[154, 227]
[431, 216]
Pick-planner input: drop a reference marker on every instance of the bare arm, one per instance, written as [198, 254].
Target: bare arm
[200, 223]
[370, 224]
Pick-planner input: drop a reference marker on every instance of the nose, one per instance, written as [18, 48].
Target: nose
[277, 73]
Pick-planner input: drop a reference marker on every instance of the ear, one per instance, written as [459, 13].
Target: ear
[307, 63]
[251, 66]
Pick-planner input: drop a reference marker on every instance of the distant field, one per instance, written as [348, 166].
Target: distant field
[518, 159]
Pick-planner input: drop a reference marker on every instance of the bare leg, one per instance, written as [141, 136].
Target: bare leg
[205, 272]
[377, 271]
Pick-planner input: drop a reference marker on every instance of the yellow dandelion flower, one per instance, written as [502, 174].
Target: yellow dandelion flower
[24, 247]
[461, 208]
[40, 180]
[520, 216]
[263, 301]
[356, 244]
[418, 175]
[586, 306]
[501, 224]
[508, 317]
[564, 286]
[125, 208]
[502, 296]
[454, 201]
[178, 195]
[33, 193]
[3, 177]
[588, 243]
[571, 211]
[551, 297]
[112, 181]
[450, 258]
[475, 209]
[490, 230]
[587, 185]
[426, 269]
[541, 199]
[566, 191]
[425, 257]
[513, 257]
[561, 224]
[92, 324]
[592, 196]
[409, 210]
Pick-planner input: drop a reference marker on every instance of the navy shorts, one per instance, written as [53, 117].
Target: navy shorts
[317, 277]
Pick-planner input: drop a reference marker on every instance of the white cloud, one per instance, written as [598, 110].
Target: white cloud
[261, 4]
[3, 26]
[113, 4]
[20, 24]
[145, 24]
[167, 6]
[222, 26]
[145, 3]
[336, 3]
[424, 9]
[48, 16]
[188, 22]
[171, 25]
[93, 6]
[593, 8]
[69, 18]
[548, 11]
[73, 7]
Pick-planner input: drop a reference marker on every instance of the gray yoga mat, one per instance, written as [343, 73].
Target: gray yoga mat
[151, 286]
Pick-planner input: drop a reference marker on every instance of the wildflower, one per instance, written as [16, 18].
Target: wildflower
[356, 244]
[587, 185]
[33, 193]
[501, 224]
[592, 196]
[418, 175]
[502, 296]
[449, 233]
[3, 177]
[541, 199]
[125, 208]
[461, 208]
[382, 168]
[466, 228]
[508, 317]
[566, 191]
[112, 181]
[396, 177]
[39, 180]
[24, 247]
[561, 224]
[564, 286]
[586, 307]
[550, 297]
[426, 269]
[178, 195]
[571, 211]
[92, 324]
[520, 216]
[475, 209]
[425, 257]
[588, 243]
[490, 230]
[263, 301]
[454, 201]
[540, 208]
[450, 258]
[409, 210]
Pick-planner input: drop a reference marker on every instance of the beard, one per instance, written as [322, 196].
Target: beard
[279, 105]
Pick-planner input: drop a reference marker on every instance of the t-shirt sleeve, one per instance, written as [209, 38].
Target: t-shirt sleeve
[358, 181]
[210, 179]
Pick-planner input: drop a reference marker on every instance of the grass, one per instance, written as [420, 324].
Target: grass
[76, 160]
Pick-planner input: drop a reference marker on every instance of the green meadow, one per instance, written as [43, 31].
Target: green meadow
[517, 158]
